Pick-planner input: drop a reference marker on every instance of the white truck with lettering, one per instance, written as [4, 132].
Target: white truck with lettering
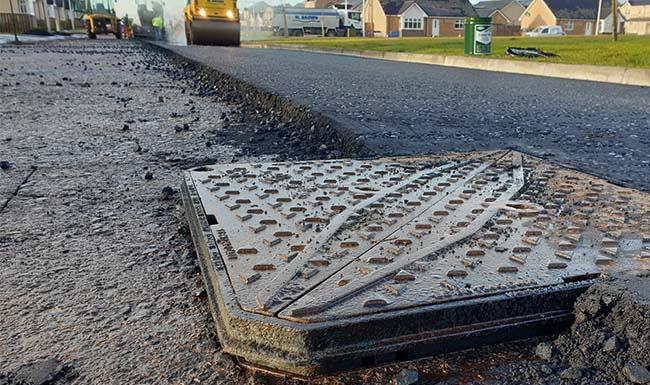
[313, 21]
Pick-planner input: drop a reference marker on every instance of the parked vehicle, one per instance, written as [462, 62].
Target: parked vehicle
[328, 22]
[101, 24]
[547, 30]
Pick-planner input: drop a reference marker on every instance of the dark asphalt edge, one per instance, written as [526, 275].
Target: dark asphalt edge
[567, 166]
[317, 126]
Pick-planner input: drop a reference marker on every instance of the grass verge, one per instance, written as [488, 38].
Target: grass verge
[629, 51]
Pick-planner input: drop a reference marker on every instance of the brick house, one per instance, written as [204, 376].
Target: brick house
[576, 17]
[30, 14]
[504, 13]
[406, 18]
[636, 16]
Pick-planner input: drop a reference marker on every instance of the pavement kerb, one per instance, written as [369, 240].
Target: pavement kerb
[615, 75]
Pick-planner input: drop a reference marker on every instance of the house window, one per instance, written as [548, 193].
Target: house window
[411, 23]
[569, 26]
[22, 6]
[459, 24]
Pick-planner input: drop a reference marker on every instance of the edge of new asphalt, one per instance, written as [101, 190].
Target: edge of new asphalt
[604, 74]
[372, 155]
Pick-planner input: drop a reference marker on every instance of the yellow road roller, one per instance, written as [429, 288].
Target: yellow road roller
[212, 22]
[101, 24]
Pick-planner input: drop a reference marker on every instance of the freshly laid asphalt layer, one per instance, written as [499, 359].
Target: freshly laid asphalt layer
[402, 108]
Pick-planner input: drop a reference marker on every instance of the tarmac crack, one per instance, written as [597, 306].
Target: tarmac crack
[17, 190]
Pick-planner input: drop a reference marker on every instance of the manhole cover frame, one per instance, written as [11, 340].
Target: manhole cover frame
[312, 349]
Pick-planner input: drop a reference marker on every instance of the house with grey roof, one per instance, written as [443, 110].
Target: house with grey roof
[404, 18]
[577, 17]
[502, 12]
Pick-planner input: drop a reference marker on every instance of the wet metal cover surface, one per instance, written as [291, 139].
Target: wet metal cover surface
[315, 267]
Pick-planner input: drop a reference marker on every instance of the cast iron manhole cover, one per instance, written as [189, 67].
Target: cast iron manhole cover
[314, 267]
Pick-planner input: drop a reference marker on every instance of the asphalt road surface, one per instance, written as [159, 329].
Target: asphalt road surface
[402, 108]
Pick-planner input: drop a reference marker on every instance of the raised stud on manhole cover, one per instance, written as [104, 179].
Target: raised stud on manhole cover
[563, 255]
[564, 245]
[394, 250]
[264, 267]
[608, 242]
[378, 260]
[530, 240]
[469, 263]
[288, 257]
[343, 281]
[403, 276]
[518, 259]
[573, 237]
[272, 242]
[533, 233]
[612, 251]
[457, 273]
[245, 217]
[643, 255]
[602, 260]
[308, 273]
[375, 302]
[248, 279]
[319, 262]
[449, 285]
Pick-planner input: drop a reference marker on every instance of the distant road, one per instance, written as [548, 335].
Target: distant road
[402, 108]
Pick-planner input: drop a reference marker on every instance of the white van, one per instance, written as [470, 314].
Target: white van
[547, 30]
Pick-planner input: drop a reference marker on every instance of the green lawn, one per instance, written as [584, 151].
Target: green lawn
[629, 51]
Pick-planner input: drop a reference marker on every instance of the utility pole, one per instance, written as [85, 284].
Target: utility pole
[615, 19]
[600, 7]
[13, 21]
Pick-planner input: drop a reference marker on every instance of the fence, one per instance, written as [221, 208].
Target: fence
[505, 30]
[24, 22]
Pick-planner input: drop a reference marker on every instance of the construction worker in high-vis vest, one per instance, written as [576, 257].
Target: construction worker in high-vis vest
[157, 22]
